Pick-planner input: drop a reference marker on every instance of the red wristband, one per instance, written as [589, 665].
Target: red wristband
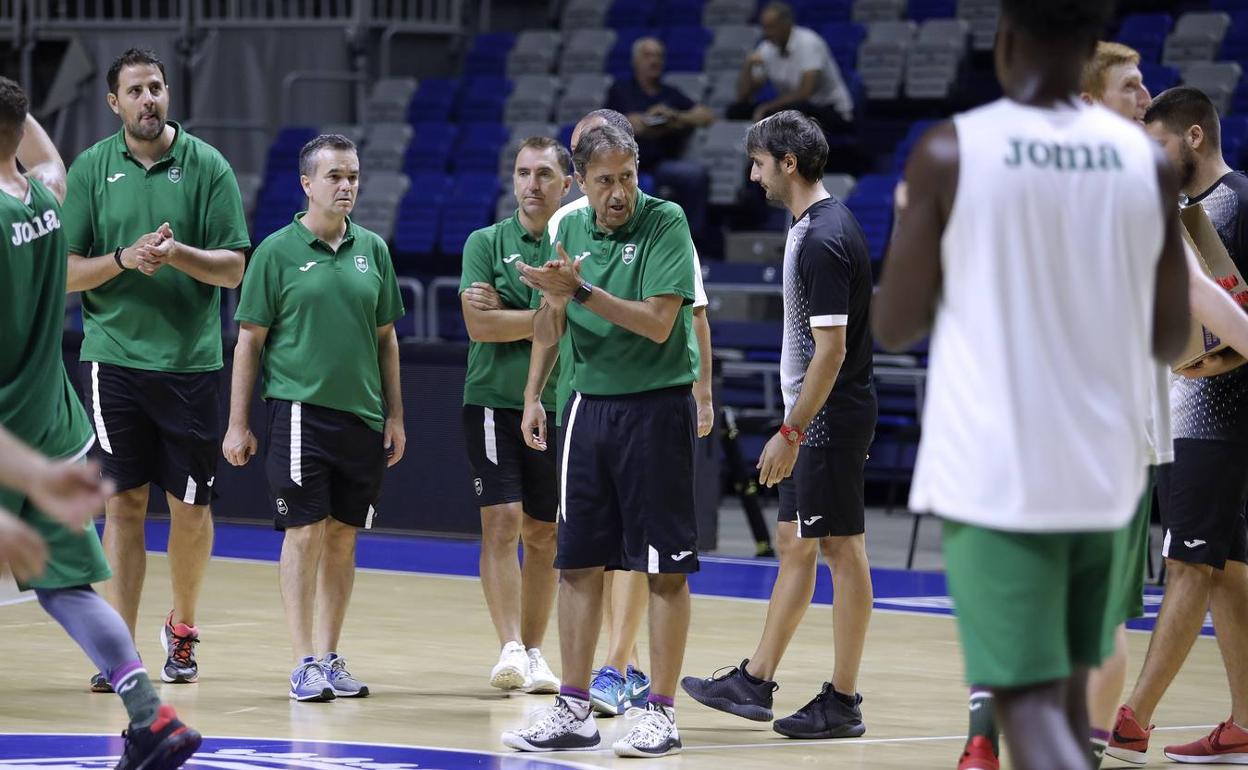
[792, 435]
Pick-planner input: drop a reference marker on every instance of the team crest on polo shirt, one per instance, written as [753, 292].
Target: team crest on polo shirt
[630, 253]
[361, 264]
[175, 174]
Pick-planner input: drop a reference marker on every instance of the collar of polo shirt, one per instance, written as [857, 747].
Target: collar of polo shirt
[310, 238]
[171, 155]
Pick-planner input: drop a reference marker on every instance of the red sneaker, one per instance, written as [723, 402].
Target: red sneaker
[979, 755]
[1129, 741]
[1226, 745]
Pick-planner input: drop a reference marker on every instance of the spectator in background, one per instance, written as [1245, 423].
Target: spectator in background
[663, 118]
[797, 62]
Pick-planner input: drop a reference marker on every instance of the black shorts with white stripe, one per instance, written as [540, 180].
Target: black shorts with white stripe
[626, 483]
[504, 468]
[824, 495]
[155, 427]
[322, 462]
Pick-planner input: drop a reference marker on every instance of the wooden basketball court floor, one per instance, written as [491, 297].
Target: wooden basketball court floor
[424, 644]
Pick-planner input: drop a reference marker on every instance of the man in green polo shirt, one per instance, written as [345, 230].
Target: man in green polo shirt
[320, 301]
[39, 407]
[622, 290]
[155, 227]
[514, 484]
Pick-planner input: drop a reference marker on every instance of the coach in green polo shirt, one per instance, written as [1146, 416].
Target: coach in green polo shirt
[515, 485]
[622, 290]
[319, 301]
[155, 226]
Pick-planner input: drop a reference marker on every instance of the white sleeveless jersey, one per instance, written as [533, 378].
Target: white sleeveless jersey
[1040, 357]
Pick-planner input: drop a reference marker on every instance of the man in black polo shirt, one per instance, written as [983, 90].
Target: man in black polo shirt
[663, 117]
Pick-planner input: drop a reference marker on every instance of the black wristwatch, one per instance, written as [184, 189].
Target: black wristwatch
[583, 293]
[117, 257]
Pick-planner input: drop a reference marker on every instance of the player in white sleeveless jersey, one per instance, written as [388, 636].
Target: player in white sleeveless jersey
[1044, 325]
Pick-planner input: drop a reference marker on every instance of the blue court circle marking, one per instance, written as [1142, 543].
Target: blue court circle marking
[95, 751]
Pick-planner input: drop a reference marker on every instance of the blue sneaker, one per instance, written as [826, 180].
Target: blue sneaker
[340, 680]
[308, 682]
[608, 692]
[638, 687]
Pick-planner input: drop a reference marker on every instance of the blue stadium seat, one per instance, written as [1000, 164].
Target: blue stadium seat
[686, 47]
[478, 147]
[843, 39]
[620, 60]
[420, 211]
[433, 100]
[1146, 33]
[565, 134]
[680, 13]
[1235, 44]
[430, 147]
[902, 153]
[460, 217]
[631, 13]
[1158, 77]
[922, 10]
[488, 54]
[815, 13]
[481, 99]
[1230, 6]
[872, 205]
[1234, 139]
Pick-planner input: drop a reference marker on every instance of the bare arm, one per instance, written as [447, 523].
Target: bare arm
[905, 304]
[1214, 308]
[86, 273]
[825, 367]
[702, 388]
[215, 267]
[747, 84]
[651, 318]
[697, 116]
[394, 433]
[533, 421]
[503, 325]
[805, 89]
[240, 443]
[1171, 315]
[39, 157]
[549, 323]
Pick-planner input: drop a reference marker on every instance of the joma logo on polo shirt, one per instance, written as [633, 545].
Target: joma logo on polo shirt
[25, 232]
[1063, 157]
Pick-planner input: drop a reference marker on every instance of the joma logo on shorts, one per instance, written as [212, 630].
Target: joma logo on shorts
[25, 232]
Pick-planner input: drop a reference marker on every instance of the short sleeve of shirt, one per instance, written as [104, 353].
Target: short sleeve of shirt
[390, 300]
[76, 216]
[668, 267]
[676, 99]
[807, 55]
[478, 261]
[257, 303]
[225, 225]
[825, 270]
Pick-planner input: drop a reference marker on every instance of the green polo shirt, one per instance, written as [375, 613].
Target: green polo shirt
[168, 322]
[650, 255]
[322, 308]
[37, 402]
[497, 371]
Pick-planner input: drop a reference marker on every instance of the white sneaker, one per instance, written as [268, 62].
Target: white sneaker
[542, 681]
[512, 670]
[559, 728]
[654, 735]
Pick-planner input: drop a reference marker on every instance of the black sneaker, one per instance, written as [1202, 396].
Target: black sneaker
[733, 693]
[100, 683]
[827, 716]
[163, 745]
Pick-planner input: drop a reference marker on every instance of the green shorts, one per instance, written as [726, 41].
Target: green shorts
[1031, 607]
[75, 558]
[1131, 562]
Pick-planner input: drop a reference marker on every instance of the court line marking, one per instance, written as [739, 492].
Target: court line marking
[515, 755]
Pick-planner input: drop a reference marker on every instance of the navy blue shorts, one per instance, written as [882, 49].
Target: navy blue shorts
[504, 468]
[626, 483]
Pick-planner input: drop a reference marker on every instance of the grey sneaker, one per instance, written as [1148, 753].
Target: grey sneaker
[829, 715]
[728, 690]
[308, 683]
[340, 680]
[654, 735]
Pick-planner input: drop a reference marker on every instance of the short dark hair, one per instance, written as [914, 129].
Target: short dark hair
[783, 10]
[131, 58]
[791, 133]
[601, 139]
[307, 155]
[13, 108]
[1081, 22]
[612, 118]
[1178, 109]
[562, 156]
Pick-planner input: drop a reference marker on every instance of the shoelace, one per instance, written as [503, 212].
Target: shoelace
[183, 649]
[311, 673]
[552, 720]
[652, 727]
[606, 677]
[339, 666]
[716, 676]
